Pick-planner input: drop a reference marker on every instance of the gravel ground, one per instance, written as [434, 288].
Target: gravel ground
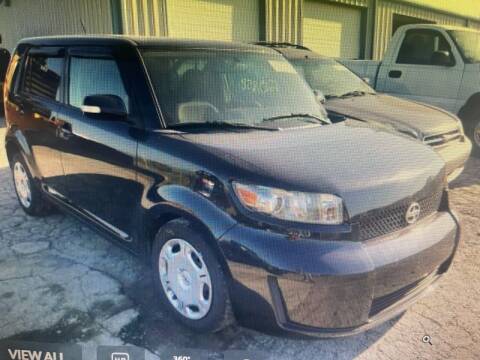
[60, 282]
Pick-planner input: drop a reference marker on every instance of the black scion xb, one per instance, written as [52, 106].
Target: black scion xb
[215, 162]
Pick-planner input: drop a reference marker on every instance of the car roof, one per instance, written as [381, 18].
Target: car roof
[292, 51]
[438, 26]
[140, 41]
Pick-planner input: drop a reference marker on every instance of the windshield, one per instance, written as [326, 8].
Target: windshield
[237, 87]
[468, 43]
[330, 77]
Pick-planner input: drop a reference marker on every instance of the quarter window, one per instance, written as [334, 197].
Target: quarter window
[95, 76]
[43, 76]
[419, 46]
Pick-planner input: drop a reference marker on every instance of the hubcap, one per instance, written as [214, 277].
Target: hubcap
[22, 184]
[476, 135]
[185, 279]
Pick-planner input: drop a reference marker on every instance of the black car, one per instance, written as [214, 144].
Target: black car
[215, 162]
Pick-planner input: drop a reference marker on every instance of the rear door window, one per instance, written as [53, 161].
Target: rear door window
[43, 75]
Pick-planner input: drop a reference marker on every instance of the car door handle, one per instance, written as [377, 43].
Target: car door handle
[64, 131]
[395, 74]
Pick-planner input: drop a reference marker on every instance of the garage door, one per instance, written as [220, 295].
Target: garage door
[332, 30]
[214, 19]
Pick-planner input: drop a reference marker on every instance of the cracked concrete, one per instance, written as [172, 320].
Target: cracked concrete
[60, 282]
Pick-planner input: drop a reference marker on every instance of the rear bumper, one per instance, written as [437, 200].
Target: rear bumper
[335, 288]
[455, 155]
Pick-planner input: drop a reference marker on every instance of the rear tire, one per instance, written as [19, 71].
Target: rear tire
[29, 195]
[183, 260]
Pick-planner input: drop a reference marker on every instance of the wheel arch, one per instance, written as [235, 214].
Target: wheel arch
[15, 142]
[11, 148]
[164, 213]
[470, 109]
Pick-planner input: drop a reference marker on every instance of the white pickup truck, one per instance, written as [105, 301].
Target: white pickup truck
[434, 64]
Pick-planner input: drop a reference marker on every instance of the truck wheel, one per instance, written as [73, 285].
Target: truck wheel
[29, 196]
[470, 116]
[189, 279]
[476, 140]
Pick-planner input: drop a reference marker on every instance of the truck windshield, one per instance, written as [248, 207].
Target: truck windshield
[331, 78]
[228, 86]
[468, 43]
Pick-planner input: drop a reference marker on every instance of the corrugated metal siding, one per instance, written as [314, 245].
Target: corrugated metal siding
[214, 19]
[474, 24]
[352, 2]
[144, 17]
[26, 18]
[332, 30]
[463, 8]
[283, 20]
[384, 18]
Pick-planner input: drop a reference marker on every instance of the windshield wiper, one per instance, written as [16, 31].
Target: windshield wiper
[306, 117]
[331, 96]
[219, 125]
[355, 93]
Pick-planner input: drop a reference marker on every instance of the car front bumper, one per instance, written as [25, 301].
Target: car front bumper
[455, 155]
[335, 288]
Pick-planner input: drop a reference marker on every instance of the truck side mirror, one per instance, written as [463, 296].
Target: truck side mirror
[442, 58]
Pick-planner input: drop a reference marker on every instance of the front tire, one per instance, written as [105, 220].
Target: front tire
[29, 196]
[189, 279]
[470, 116]
[475, 137]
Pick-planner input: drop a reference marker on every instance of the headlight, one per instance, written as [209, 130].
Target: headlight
[313, 208]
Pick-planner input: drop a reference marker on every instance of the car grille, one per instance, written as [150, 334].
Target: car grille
[392, 218]
[442, 139]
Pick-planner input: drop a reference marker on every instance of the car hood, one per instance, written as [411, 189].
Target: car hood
[400, 113]
[368, 167]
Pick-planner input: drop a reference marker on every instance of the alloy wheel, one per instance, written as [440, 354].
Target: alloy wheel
[185, 279]
[22, 184]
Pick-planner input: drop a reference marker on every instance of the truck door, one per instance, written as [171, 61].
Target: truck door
[426, 67]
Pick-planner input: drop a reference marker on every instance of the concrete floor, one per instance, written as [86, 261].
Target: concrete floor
[60, 282]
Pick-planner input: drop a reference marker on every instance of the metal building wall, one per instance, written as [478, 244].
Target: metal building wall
[384, 18]
[283, 20]
[228, 20]
[144, 17]
[367, 9]
[473, 24]
[26, 18]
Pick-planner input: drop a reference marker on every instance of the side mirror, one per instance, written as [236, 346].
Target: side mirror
[442, 58]
[319, 96]
[105, 104]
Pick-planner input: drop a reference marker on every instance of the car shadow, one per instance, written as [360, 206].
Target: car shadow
[470, 176]
[156, 329]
